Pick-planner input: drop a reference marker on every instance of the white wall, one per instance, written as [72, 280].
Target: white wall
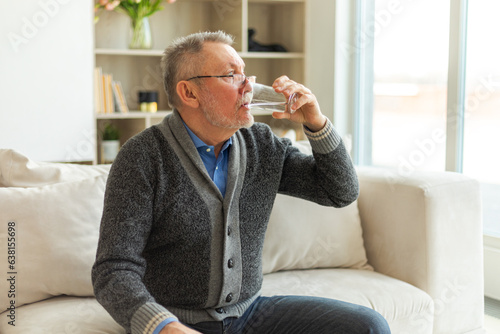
[46, 66]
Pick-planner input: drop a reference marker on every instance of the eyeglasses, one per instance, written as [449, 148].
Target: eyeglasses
[235, 79]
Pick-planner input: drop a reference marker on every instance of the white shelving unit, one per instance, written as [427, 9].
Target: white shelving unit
[275, 22]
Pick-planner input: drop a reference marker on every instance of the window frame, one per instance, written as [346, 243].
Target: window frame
[456, 86]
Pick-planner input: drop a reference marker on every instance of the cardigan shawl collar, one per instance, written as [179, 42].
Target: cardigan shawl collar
[223, 211]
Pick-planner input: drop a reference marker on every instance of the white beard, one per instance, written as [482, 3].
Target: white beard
[210, 107]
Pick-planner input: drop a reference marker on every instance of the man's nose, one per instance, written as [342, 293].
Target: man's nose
[247, 85]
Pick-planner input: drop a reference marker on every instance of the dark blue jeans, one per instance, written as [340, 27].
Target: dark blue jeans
[299, 315]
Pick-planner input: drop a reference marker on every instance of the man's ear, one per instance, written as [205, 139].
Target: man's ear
[187, 94]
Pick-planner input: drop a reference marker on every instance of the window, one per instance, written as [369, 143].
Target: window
[410, 66]
[482, 108]
[433, 69]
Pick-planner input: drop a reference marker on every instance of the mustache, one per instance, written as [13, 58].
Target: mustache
[245, 99]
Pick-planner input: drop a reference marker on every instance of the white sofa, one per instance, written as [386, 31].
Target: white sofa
[410, 247]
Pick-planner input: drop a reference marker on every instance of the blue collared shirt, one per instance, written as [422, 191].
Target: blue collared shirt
[216, 166]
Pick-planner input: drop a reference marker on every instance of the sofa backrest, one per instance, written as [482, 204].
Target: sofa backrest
[50, 216]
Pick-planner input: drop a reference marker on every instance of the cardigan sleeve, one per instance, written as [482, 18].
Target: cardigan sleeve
[327, 177]
[118, 271]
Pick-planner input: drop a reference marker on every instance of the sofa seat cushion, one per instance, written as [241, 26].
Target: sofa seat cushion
[406, 308]
[62, 314]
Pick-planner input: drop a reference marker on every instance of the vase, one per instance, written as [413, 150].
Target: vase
[140, 37]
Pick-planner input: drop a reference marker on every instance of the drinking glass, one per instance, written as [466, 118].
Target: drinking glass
[266, 99]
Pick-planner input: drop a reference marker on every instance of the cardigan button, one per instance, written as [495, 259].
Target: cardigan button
[229, 230]
[229, 297]
[230, 263]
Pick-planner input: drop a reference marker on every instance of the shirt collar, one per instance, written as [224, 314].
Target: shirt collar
[199, 143]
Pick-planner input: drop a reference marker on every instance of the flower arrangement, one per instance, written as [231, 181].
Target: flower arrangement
[135, 9]
[138, 11]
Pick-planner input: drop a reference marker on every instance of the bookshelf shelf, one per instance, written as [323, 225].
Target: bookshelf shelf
[272, 55]
[159, 53]
[128, 52]
[134, 115]
[275, 1]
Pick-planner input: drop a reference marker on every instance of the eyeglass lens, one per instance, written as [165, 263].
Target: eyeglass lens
[241, 79]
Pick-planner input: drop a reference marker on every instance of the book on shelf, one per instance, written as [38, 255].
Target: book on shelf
[108, 94]
[119, 97]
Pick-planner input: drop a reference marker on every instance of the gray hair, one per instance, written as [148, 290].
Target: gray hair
[183, 58]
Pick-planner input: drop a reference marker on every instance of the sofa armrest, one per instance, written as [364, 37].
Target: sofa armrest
[426, 229]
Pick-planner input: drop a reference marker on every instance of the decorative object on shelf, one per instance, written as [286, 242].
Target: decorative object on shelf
[140, 34]
[110, 143]
[148, 101]
[256, 46]
[139, 12]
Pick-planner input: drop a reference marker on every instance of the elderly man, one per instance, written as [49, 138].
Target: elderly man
[188, 201]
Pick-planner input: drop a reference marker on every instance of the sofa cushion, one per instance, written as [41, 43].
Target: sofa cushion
[406, 308]
[56, 233]
[16, 170]
[305, 235]
[62, 314]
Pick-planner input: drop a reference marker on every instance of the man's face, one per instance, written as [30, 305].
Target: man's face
[223, 103]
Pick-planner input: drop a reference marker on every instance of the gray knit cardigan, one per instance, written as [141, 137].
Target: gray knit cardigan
[171, 245]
